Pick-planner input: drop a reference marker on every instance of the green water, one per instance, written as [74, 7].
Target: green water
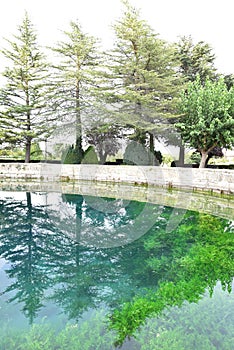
[82, 272]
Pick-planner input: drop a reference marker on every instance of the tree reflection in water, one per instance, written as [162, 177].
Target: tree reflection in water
[86, 252]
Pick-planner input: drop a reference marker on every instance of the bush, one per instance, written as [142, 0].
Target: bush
[137, 154]
[167, 159]
[72, 155]
[90, 156]
[195, 158]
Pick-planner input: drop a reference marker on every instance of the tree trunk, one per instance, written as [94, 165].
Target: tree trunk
[79, 148]
[181, 156]
[28, 139]
[151, 147]
[151, 143]
[207, 159]
[204, 156]
[28, 151]
[102, 158]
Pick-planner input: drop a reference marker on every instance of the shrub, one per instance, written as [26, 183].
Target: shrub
[72, 155]
[90, 156]
[137, 154]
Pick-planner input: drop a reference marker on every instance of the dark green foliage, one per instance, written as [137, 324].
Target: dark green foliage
[229, 80]
[90, 156]
[72, 155]
[158, 156]
[196, 60]
[137, 154]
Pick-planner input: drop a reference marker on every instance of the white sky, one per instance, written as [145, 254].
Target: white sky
[208, 20]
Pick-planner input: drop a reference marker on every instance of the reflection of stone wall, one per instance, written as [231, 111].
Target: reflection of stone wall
[206, 203]
[188, 178]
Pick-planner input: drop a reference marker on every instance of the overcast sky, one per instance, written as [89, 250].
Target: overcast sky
[208, 20]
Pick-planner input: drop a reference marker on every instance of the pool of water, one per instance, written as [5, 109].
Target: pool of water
[85, 272]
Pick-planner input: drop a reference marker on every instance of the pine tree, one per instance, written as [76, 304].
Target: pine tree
[143, 75]
[25, 113]
[75, 79]
[196, 59]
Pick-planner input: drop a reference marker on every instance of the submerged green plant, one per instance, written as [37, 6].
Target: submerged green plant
[205, 325]
[88, 335]
[53, 262]
[206, 258]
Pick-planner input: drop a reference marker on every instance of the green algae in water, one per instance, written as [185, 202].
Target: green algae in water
[88, 273]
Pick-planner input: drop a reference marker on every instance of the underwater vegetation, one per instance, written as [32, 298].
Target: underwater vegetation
[166, 289]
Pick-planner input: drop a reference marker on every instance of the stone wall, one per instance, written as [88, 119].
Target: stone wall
[217, 180]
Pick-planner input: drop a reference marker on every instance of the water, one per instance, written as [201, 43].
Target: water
[84, 272]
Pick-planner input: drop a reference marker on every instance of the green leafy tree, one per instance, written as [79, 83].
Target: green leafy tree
[208, 117]
[143, 76]
[75, 79]
[25, 115]
[193, 60]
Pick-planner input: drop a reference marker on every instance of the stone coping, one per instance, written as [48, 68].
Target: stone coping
[216, 180]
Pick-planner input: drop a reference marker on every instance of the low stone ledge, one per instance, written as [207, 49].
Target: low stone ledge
[217, 180]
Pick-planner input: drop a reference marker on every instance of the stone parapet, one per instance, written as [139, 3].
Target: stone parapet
[217, 180]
